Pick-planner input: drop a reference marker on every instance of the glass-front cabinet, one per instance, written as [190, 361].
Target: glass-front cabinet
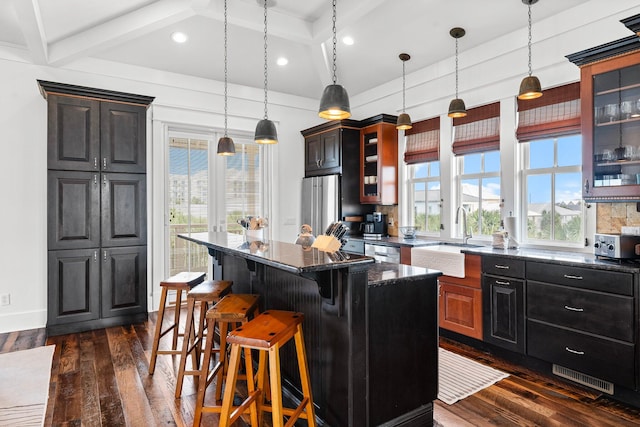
[379, 161]
[610, 114]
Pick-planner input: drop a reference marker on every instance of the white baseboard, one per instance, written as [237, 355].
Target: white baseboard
[24, 320]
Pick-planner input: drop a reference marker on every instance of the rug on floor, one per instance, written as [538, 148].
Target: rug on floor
[460, 377]
[25, 376]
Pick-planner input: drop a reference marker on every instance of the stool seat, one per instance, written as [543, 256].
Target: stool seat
[234, 307]
[205, 293]
[267, 329]
[180, 283]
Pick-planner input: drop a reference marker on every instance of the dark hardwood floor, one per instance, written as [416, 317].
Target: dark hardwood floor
[100, 378]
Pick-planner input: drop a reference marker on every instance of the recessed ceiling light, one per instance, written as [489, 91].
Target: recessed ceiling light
[348, 40]
[282, 61]
[179, 37]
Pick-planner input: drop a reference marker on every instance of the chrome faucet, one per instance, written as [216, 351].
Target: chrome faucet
[465, 235]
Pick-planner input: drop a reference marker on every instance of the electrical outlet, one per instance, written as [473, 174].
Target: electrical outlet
[5, 299]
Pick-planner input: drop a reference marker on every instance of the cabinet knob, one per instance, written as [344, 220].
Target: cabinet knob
[586, 186]
[104, 163]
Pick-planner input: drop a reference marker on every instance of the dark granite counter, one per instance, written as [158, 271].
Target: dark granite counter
[578, 259]
[389, 273]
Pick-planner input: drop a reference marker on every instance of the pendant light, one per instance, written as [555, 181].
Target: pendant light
[456, 106]
[404, 121]
[334, 104]
[530, 86]
[226, 147]
[266, 129]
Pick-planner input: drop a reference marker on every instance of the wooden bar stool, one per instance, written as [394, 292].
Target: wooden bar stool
[181, 282]
[207, 292]
[267, 333]
[229, 312]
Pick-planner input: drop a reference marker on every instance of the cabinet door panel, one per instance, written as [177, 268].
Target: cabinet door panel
[331, 149]
[74, 210]
[461, 309]
[74, 281]
[124, 281]
[73, 133]
[313, 153]
[504, 312]
[124, 209]
[123, 141]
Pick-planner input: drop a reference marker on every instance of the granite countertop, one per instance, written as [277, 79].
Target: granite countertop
[285, 256]
[396, 241]
[578, 259]
[386, 273]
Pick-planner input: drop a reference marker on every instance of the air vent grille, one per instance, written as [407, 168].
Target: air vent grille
[584, 379]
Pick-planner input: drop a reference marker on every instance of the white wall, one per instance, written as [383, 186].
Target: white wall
[488, 73]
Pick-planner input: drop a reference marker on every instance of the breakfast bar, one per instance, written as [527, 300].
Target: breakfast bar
[370, 329]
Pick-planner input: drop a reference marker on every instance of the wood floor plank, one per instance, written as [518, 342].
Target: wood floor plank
[90, 397]
[111, 411]
[68, 396]
[53, 383]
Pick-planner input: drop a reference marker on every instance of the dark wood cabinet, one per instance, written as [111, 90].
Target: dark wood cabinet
[503, 291]
[379, 161]
[610, 116]
[460, 308]
[323, 153]
[97, 228]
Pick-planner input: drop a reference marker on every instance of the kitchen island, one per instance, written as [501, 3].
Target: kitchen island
[370, 329]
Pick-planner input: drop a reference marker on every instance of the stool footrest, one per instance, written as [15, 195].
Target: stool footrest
[239, 410]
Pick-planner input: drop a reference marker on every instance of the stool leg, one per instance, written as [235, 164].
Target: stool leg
[186, 343]
[204, 372]
[176, 319]
[229, 390]
[251, 388]
[276, 386]
[222, 359]
[156, 335]
[262, 382]
[304, 376]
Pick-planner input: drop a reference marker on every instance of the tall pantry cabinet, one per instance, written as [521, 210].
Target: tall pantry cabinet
[96, 215]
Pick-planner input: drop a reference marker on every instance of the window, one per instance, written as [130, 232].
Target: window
[479, 191]
[552, 189]
[424, 196]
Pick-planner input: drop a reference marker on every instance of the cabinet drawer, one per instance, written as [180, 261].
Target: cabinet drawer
[587, 278]
[596, 312]
[501, 266]
[600, 357]
[354, 247]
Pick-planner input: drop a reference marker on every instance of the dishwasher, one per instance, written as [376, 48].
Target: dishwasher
[382, 253]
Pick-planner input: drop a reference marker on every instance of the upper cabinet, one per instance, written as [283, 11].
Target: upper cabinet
[330, 147]
[610, 115]
[379, 161]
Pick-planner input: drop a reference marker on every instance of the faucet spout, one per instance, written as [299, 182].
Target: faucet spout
[466, 234]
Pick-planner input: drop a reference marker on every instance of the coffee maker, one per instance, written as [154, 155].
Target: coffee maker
[375, 226]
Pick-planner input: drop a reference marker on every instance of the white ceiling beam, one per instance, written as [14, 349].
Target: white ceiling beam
[122, 29]
[28, 12]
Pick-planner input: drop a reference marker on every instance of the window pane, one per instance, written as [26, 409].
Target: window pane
[242, 185]
[471, 202]
[490, 212]
[472, 163]
[539, 206]
[420, 170]
[434, 169]
[541, 154]
[568, 207]
[570, 151]
[492, 161]
[433, 207]
[419, 206]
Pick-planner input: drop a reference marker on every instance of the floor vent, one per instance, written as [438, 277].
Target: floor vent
[583, 379]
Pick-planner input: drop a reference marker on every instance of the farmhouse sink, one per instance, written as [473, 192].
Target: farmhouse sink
[445, 257]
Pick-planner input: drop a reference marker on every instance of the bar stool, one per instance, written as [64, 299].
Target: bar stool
[207, 292]
[229, 312]
[181, 282]
[267, 333]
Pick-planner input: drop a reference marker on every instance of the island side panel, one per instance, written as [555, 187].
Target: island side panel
[403, 352]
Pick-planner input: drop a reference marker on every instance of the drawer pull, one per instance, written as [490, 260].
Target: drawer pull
[579, 353]
[504, 267]
[569, 276]
[573, 308]
[500, 282]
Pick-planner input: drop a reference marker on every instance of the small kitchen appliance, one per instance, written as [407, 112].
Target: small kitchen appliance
[375, 226]
[616, 246]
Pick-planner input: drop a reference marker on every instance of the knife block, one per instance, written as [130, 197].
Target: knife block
[326, 243]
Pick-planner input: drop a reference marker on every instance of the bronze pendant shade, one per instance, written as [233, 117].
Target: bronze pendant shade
[404, 121]
[226, 147]
[530, 87]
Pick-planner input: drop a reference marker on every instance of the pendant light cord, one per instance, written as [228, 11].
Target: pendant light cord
[225, 68]
[265, 59]
[403, 87]
[335, 42]
[456, 68]
[529, 44]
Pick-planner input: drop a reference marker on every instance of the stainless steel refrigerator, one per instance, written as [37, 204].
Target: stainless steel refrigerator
[320, 202]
